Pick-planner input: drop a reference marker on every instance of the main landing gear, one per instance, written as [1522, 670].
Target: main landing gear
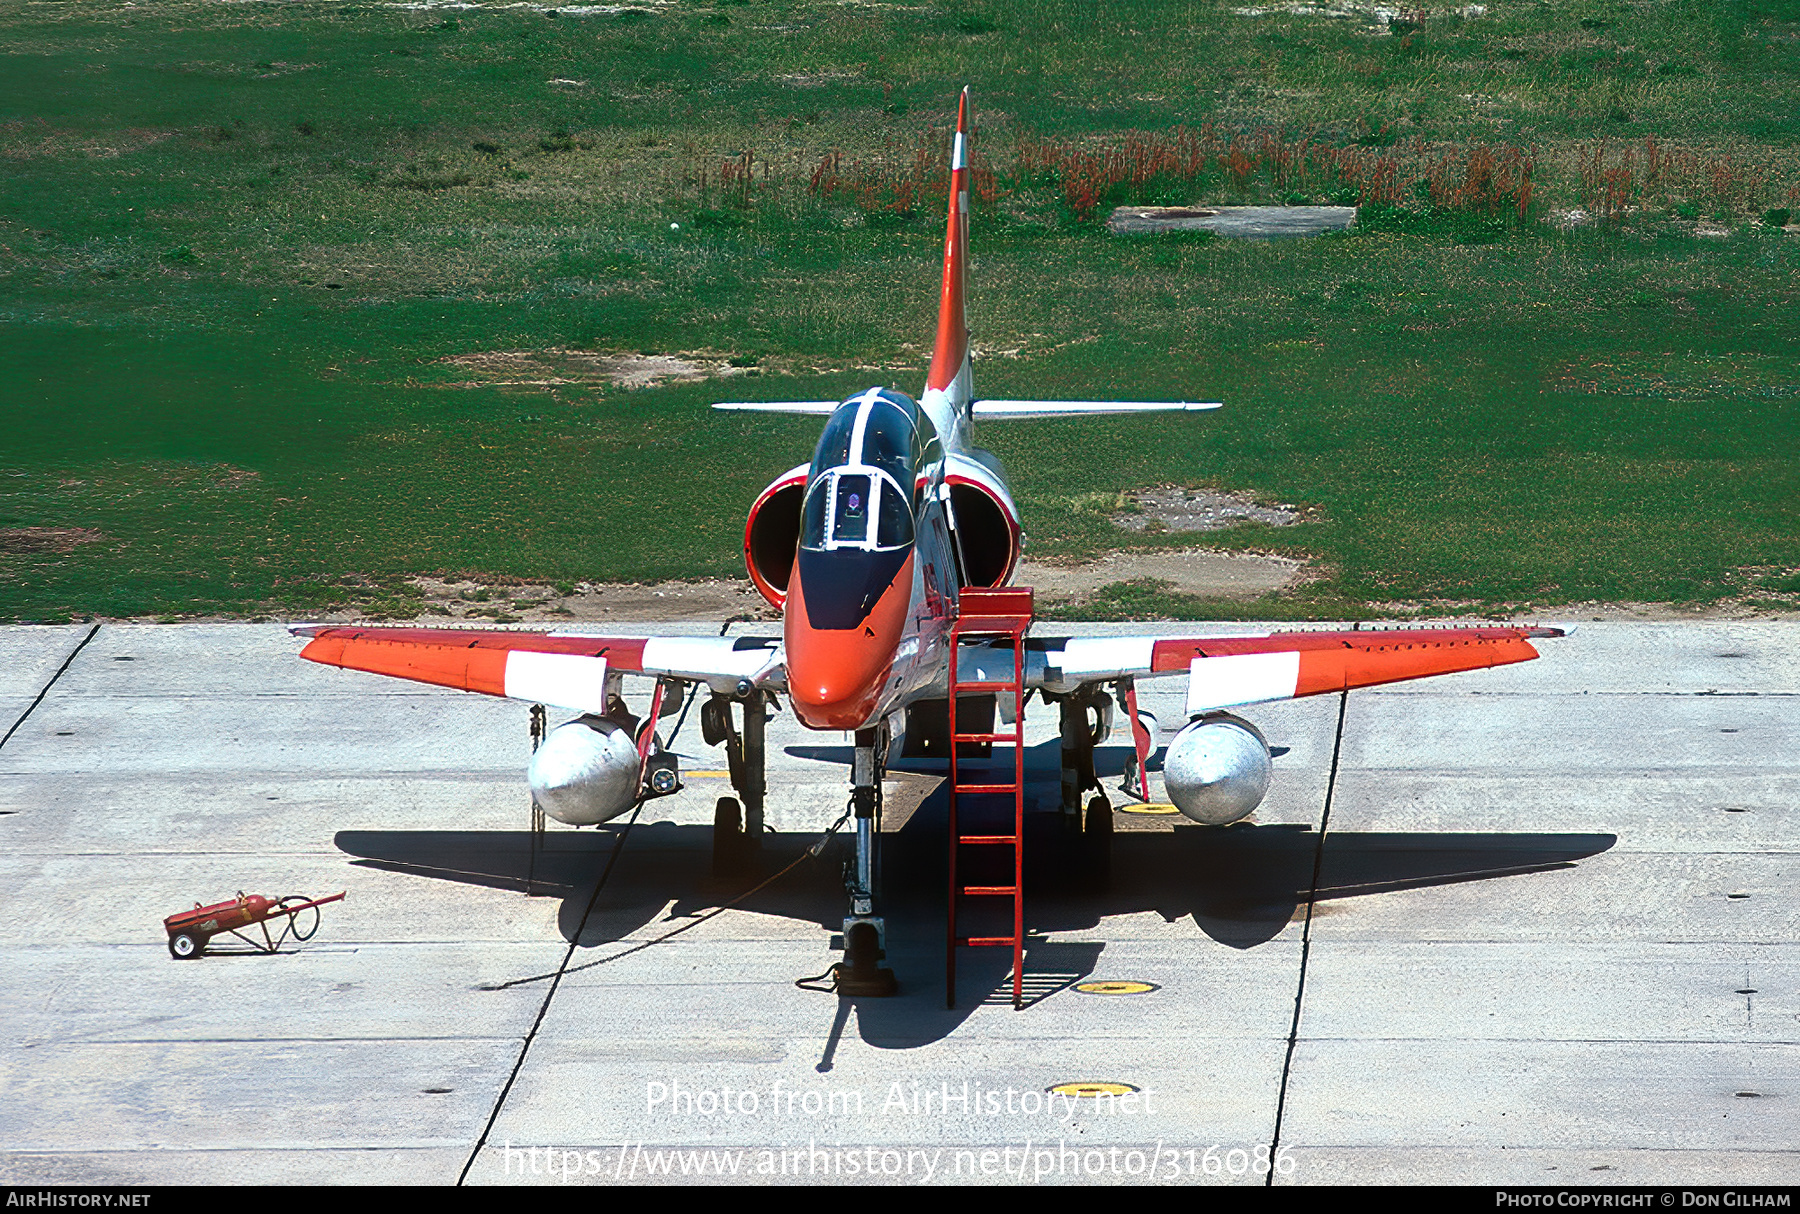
[738, 827]
[861, 971]
[1085, 720]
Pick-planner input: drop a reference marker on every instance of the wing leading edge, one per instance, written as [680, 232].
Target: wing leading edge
[568, 670]
[1228, 671]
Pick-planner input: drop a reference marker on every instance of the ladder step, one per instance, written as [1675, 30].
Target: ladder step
[986, 941]
[977, 790]
[985, 737]
[988, 685]
[990, 891]
[988, 839]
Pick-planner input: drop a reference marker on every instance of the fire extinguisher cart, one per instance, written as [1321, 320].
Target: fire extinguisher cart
[190, 931]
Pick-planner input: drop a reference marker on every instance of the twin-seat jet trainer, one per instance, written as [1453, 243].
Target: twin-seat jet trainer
[890, 556]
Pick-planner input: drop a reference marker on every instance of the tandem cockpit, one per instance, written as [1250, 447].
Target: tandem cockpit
[860, 491]
[857, 519]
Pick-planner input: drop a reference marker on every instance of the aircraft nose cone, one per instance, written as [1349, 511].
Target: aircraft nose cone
[833, 685]
[835, 676]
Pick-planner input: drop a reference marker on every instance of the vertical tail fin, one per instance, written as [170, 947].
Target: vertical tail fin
[947, 384]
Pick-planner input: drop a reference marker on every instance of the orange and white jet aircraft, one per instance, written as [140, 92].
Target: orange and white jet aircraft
[899, 528]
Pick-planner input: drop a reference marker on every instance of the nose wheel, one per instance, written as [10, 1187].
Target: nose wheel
[861, 972]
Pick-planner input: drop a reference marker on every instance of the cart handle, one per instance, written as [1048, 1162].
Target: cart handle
[291, 911]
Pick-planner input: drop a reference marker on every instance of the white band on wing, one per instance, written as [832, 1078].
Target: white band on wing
[1248, 678]
[564, 680]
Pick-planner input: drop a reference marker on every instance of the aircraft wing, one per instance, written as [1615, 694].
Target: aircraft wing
[565, 669]
[1028, 409]
[1225, 671]
[807, 408]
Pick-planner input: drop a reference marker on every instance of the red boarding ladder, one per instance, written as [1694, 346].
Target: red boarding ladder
[990, 614]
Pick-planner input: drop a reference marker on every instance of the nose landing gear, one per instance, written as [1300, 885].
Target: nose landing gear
[861, 971]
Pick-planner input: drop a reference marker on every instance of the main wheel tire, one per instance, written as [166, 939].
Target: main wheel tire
[1099, 835]
[185, 946]
[1070, 849]
[728, 837]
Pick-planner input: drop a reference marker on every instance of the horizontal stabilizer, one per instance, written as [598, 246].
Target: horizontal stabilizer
[1083, 408]
[811, 407]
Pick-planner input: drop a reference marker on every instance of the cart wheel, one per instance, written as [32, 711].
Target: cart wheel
[295, 919]
[185, 946]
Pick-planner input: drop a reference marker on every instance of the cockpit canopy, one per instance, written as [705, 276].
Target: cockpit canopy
[859, 493]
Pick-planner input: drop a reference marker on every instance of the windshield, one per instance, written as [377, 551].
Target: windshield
[860, 491]
[841, 504]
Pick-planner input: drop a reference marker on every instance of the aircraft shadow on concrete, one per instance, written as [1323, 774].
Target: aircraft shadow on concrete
[1241, 885]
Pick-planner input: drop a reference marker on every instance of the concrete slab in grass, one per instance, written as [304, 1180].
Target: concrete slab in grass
[1257, 223]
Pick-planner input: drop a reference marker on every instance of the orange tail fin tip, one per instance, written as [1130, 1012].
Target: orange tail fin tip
[950, 358]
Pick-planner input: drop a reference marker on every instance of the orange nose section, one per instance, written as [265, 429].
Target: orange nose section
[836, 675]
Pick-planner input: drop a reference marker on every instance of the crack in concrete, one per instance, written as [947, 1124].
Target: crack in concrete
[92, 632]
[555, 983]
[1312, 896]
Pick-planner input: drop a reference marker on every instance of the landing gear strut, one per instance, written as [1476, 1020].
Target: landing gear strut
[861, 972]
[737, 831]
[1085, 719]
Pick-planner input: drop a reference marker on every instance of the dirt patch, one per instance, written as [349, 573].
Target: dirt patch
[1198, 571]
[444, 601]
[39, 540]
[558, 366]
[1175, 509]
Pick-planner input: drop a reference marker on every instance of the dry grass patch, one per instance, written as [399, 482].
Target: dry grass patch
[1175, 509]
[37, 541]
[558, 367]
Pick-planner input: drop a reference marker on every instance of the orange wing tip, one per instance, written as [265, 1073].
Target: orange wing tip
[327, 651]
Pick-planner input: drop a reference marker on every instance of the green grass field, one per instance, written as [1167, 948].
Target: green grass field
[240, 245]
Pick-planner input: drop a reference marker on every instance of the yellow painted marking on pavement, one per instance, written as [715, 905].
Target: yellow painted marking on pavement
[1152, 808]
[708, 775]
[1116, 988]
[1088, 1087]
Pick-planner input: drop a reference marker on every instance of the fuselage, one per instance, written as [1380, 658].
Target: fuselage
[874, 587]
